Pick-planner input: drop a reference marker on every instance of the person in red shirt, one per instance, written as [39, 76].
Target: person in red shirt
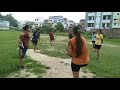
[23, 44]
[77, 50]
[51, 35]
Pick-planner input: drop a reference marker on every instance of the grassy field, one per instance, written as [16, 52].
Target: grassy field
[9, 54]
[107, 67]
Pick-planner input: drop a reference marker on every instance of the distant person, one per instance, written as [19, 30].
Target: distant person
[35, 38]
[93, 39]
[23, 44]
[77, 49]
[70, 35]
[98, 43]
[51, 35]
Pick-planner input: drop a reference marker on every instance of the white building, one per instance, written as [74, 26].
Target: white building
[4, 25]
[53, 20]
[116, 20]
[98, 20]
[39, 21]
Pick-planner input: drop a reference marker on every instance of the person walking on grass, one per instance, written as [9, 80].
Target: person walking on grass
[51, 35]
[77, 49]
[93, 40]
[98, 43]
[23, 45]
[35, 38]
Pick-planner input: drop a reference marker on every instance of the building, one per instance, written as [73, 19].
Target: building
[53, 20]
[116, 20]
[98, 20]
[82, 24]
[39, 21]
[4, 25]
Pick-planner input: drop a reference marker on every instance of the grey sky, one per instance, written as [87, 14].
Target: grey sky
[30, 16]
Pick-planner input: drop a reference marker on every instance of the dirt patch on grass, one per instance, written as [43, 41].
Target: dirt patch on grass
[57, 69]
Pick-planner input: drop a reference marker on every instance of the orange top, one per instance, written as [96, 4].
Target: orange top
[84, 57]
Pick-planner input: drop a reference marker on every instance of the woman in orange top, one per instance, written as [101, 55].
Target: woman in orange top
[77, 49]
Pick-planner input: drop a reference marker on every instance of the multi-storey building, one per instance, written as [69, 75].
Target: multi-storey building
[99, 20]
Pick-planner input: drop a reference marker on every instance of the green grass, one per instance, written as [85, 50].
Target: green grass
[9, 61]
[108, 66]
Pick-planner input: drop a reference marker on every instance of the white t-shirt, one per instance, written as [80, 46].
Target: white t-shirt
[93, 37]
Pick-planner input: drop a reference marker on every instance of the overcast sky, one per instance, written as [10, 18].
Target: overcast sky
[30, 16]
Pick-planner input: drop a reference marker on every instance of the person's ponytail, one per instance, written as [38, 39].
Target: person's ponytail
[79, 43]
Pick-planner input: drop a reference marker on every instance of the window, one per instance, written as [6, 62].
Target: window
[117, 13]
[90, 25]
[89, 18]
[115, 23]
[104, 17]
[109, 16]
[115, 19]
[108, 24]
[103, 24]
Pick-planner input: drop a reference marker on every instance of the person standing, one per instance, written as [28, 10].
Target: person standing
[93, 40]
[98, 43]
[51, 35]
[23, 44]
[77, 50]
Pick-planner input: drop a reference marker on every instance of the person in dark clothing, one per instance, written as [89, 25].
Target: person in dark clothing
[35, 38]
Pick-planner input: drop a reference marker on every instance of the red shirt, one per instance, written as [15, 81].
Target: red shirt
[51, 35]
[25, 39]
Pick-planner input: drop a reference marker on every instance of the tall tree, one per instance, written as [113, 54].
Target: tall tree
[59, 27]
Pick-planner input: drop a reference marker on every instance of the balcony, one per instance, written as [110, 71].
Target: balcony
[105, 21]
[90, 21]
[91, 14]
[107, 13]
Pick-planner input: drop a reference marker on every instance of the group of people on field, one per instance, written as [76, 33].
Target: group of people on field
[24, 39]
[76, 49]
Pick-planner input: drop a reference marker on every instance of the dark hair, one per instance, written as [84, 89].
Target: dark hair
[26, 27]
[79, 43]
[100, 31]
[93, 32]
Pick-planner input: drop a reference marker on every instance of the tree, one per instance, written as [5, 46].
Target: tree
[59, 27]
[46, 29]
[10, 18]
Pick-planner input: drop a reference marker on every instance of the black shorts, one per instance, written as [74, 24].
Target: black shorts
[35, 41]
[97, 46]
[93, 41]
[76, 68]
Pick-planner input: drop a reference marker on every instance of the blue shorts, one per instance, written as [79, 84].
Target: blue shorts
[23, 51]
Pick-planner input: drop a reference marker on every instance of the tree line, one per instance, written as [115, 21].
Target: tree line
[10, 18]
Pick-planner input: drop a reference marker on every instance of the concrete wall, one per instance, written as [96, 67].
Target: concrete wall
[114, 33]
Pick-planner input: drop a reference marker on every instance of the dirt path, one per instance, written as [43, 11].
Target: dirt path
[59, 68]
